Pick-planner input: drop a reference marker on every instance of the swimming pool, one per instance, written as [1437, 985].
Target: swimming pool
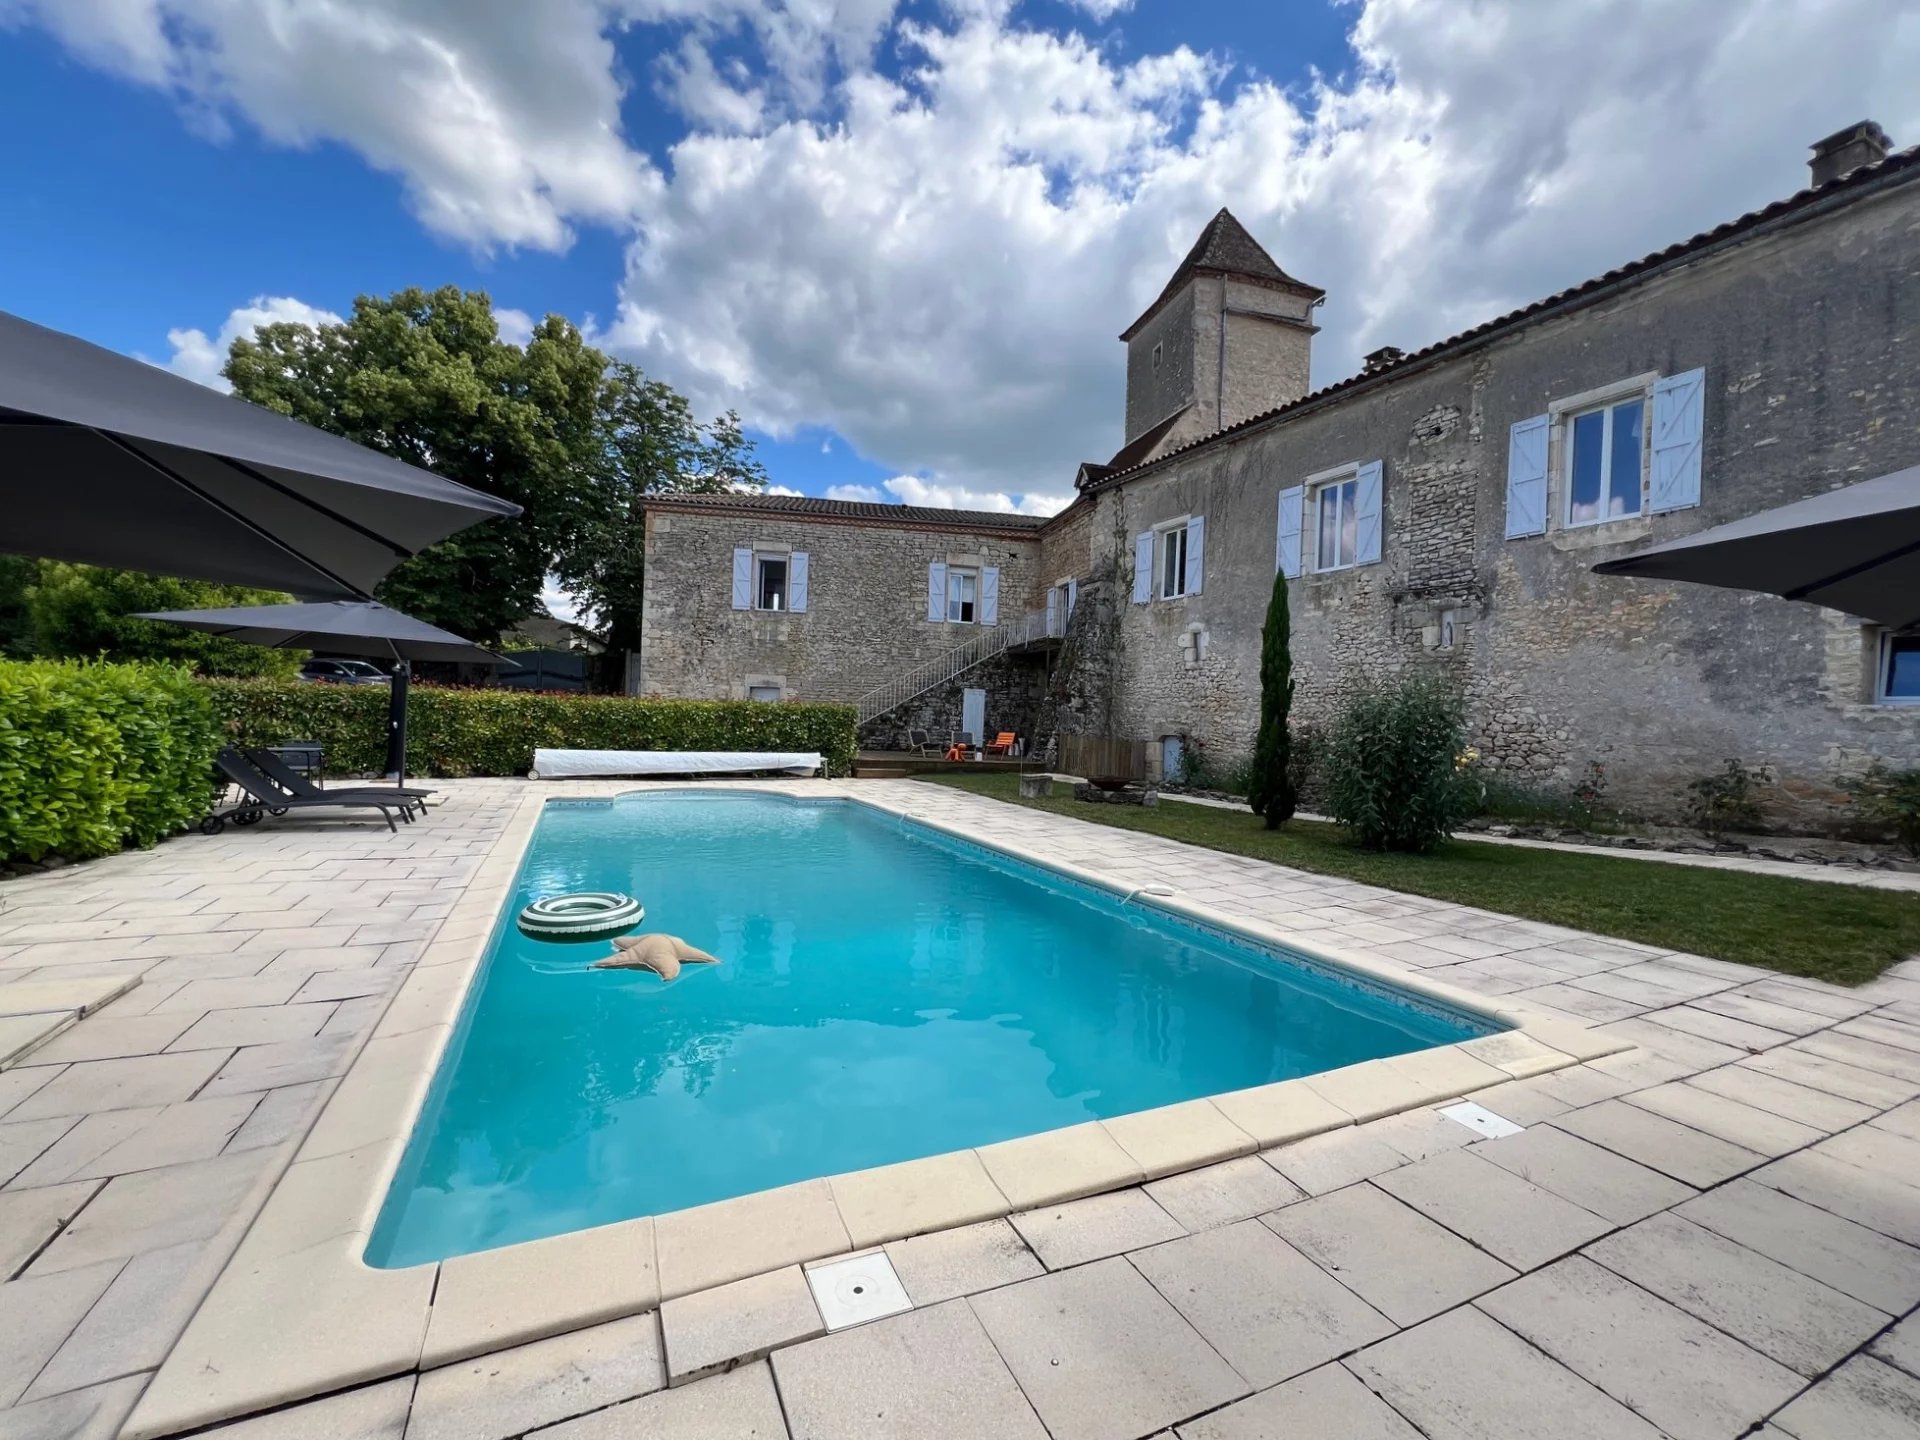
[886, 993]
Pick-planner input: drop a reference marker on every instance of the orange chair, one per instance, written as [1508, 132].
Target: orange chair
[1003, 743]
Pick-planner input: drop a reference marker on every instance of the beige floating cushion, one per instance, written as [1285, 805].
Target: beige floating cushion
[662, 954]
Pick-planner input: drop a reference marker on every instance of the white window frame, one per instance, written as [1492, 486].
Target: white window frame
[1163, 543]
[954, 573]
[1317, 485]
[1883, 665]
[1560, 417]
[760, 559]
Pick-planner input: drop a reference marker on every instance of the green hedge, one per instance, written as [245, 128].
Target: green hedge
[495, 732]
[94, 757]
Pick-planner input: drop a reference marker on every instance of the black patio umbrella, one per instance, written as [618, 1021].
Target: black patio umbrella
[1855, 549]
[107, 460]
[345, 627]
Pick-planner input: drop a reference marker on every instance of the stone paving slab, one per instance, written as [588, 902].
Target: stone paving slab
[1864, 1400]
[1267, 1309]
[1099, 1352]
[928, 1374]
[947, 1263]
[731, 1324]
[1466, 1377]
[1327, 1403]
[1684, 1376]
[1094, 1228]
[1854, 1260]
[1796, 1320]
[1393, 1257]
[1508, 1217]
[513, 1391]
[740, 1406]
[1221, 1194]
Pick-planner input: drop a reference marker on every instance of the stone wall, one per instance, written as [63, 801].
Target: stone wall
[1812, 380]
[866, 620]
[1016, 686]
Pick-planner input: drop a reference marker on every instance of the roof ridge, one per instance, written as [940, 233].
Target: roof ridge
[1898, 160]
[821, 506]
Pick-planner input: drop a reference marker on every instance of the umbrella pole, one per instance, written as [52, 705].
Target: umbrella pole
[397, 724]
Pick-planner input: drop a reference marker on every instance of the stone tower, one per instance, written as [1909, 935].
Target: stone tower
[1230, 337]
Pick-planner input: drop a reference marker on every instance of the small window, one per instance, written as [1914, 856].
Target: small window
[1605, 448]
[1899, 678]
[763, 692]
[770, 582]
[1335, 524]
[1156, 359]
[963, 595]
[1173, 562]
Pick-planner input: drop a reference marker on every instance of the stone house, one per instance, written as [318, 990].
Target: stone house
[1439, 511]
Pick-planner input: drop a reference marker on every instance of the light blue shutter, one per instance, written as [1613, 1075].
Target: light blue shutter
[937, 590]
[1527, 477]
[1366, 514]
[1196, 550]
[797, 583]
[989, 595]
[1679, 423]
[743, 579]
[1293, 504]
[1143, 567]
[1073, 595]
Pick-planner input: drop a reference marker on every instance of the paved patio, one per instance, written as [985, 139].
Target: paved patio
[1714, 1234]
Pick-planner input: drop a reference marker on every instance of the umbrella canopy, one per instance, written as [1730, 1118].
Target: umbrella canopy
[107, 460]
[1856, 549]
[345, 627]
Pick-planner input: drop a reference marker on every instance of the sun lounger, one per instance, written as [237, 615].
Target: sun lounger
[294, 783]
[265, 797]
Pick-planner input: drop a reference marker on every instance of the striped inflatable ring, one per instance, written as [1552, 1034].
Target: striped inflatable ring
[588, 915]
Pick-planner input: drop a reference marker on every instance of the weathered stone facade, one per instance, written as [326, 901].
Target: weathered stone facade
[1805, 323]
[1807, 335]
[866, 618]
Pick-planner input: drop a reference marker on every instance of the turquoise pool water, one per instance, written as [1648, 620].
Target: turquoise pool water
[885, 993]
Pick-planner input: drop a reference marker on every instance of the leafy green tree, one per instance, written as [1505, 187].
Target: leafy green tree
[1271, 793]
[17, 574]
[424, 376]
[653, 445]
[86, 613]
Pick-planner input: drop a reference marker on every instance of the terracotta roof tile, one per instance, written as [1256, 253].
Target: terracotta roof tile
[813, 507]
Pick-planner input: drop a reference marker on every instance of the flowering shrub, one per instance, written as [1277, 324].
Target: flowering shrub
[1394, 769]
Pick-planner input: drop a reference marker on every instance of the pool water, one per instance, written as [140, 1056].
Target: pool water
[885, 993]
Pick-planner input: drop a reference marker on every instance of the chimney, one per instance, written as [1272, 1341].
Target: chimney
[1845, 151]
[1383, 357]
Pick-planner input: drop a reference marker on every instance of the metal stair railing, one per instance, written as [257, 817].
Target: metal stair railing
[991, 641]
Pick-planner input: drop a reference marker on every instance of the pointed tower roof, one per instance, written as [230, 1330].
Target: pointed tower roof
[1225, 248]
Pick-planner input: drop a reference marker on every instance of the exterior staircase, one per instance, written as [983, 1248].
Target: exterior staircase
[991, 641]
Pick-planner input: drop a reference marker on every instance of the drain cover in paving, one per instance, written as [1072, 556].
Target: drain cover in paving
[856, 1290]
[1482, 1120]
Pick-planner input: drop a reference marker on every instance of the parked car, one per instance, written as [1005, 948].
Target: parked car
[344, 672]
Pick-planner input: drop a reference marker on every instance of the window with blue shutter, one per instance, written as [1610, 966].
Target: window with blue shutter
[1195, 557]
[743, 579]
[1143, 567]
[797, 582]
[1287, 533]
[989, 595]
[1366, 514]
[937, 590]
[1679, 427]
[1527, 477]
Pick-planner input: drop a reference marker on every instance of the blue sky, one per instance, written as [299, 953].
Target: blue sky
[899, 236]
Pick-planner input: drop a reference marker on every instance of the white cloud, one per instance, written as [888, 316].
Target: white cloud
[912, 490]
[502, 120]
[865, 494]
[937, 270]
[781, 490]
[932, 261]
[1101, 10]
[516, 326]
[561, 603]
[200, 358]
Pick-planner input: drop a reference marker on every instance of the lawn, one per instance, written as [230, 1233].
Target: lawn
[1841, 933]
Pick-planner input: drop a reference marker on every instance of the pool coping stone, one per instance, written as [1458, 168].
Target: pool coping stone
[304, 1252]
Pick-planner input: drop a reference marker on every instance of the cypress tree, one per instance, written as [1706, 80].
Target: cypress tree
[1271, 793]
